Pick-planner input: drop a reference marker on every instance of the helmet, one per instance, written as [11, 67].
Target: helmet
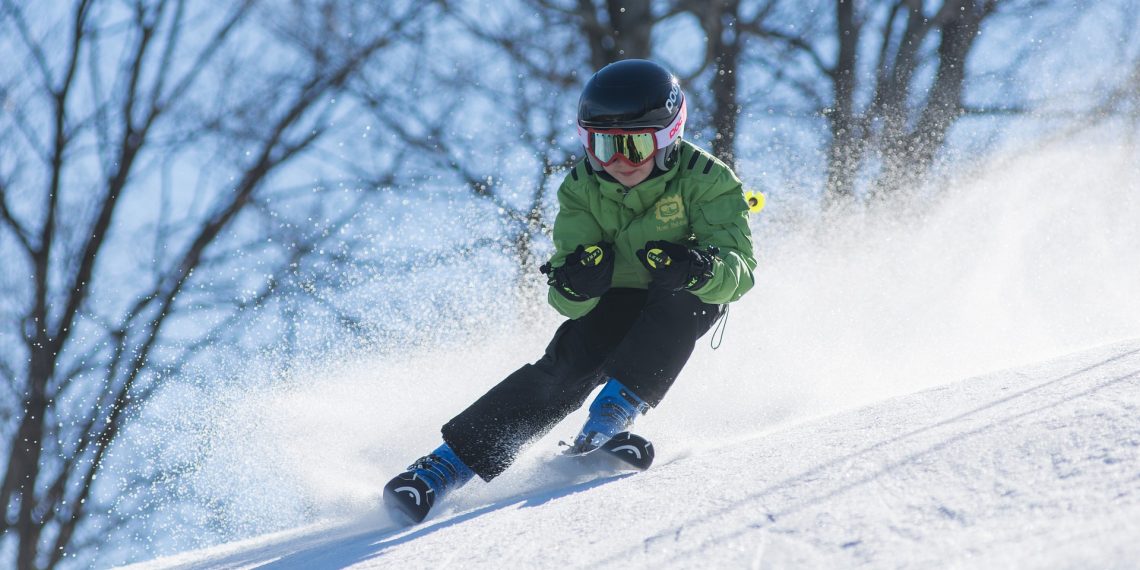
[633, 95]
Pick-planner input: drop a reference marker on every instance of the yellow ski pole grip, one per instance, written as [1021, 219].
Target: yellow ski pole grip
[755, 201]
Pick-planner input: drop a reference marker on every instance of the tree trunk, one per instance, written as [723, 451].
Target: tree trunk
[632, 22]
[626, 33]
[724, 43]
[845, 151]
[909, 156]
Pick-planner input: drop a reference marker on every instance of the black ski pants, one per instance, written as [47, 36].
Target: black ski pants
[641, 337]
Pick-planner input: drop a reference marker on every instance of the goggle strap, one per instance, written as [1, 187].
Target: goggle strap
[674, 131]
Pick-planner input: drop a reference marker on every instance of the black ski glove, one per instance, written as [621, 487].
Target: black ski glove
[587, 272]
[676, 267]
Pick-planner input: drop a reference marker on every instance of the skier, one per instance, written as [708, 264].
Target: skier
[651, 242]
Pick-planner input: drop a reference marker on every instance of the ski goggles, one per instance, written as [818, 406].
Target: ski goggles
[634, 146]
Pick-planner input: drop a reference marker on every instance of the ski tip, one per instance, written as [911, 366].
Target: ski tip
[408, 499]
[632, 449]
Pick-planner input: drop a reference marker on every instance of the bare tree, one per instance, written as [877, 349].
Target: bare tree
[729, 25]
[495, 129]
[907, 147]
[722, 25]
[113, 111]
[889, 77]
[614, 30]
[1114, 96]
[522, 85]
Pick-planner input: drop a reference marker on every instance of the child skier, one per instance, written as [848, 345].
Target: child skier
[651, 241]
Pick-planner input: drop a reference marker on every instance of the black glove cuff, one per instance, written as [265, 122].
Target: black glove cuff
[568, 293]
[590, 272]
[702, 268]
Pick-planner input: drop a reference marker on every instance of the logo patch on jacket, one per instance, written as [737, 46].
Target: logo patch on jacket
[670, 209]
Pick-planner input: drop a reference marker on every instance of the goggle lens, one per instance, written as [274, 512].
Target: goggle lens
[637, 148]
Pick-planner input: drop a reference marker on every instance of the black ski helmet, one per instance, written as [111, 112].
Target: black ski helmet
[634, 94]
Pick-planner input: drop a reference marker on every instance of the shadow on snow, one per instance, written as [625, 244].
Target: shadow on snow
[343, 552]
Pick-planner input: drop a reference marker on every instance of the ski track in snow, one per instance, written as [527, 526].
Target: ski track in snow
[1033, 467]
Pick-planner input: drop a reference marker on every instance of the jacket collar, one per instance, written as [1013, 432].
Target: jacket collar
[641, 197]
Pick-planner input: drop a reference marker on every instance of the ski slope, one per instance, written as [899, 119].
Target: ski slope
[852, 417]
[1036, 466]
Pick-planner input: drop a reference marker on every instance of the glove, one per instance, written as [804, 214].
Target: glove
[676, 267]
[587, 272]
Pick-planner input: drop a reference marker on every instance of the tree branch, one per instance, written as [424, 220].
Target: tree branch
[132, 140]
[18, 230]
[33, 46]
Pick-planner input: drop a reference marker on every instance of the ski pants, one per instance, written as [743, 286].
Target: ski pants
[643, 338]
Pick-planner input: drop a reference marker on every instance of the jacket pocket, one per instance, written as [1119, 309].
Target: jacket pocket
[723, 211]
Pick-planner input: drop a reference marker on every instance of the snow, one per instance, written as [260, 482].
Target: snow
[890, 395]
[1036, 466]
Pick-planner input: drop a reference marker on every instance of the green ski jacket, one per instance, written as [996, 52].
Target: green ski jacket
[698, 202]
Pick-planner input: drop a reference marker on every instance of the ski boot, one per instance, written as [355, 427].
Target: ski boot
[415, 491]
[612, 412]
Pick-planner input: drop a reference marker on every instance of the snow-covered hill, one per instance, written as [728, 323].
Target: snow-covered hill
[1033, 467]
[833, 428]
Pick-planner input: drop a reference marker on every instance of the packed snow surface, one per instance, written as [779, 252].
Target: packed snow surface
[1031, 467]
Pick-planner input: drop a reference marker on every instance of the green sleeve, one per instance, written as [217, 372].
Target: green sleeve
[722, 220]
[573, 226]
